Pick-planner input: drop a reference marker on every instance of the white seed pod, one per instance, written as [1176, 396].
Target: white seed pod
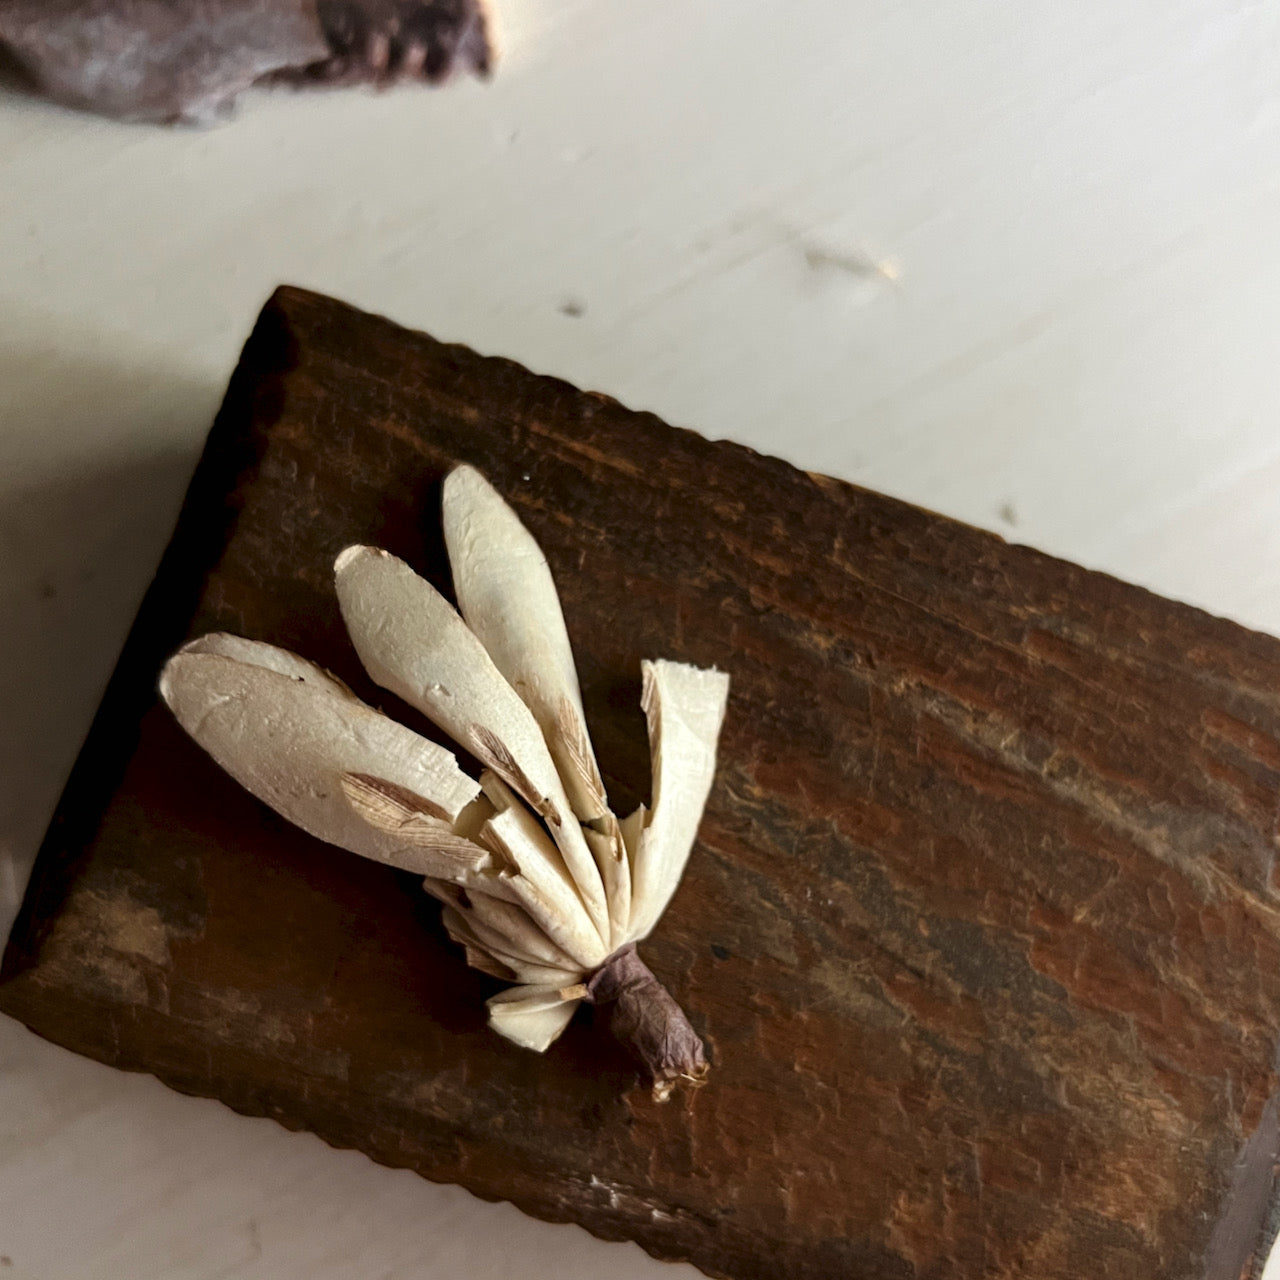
[531, 1016]
[509, 600]
[543, 886]
[412, 642]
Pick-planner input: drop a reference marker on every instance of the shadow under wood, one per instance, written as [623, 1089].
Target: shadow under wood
[14, 77]
[76, 554]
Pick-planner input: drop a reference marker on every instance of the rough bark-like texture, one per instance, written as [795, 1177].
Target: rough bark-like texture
[981, 931]
[186, 60]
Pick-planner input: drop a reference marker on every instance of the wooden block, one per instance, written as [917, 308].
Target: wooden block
[982, 931]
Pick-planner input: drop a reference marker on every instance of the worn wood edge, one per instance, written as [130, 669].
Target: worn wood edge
[1241, 1237]
[603, 1221]
[1269, 1232]
[160, 626]
[1238, 1249]
[290, 300]
[1249, 1210]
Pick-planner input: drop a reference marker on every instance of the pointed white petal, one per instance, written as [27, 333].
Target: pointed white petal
[508, 927]
[412, 642]
[521, 936]
[287, 732]
[533, 1017]
[533, 975]
[632, 827]
[610, 853]
[481, 960]
[507, 596]
[481, 944]
[541, 882]
[684, 706]
[544, 996]
[257, 653]
[419, 828]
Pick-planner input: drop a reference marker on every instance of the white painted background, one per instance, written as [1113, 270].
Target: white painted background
[1014, 260]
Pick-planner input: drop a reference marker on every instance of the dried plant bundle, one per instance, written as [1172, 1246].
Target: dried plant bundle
[542, 884]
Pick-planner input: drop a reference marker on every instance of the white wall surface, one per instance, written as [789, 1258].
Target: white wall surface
[1013, 260]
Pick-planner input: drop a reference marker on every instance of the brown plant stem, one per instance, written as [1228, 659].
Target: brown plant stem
[646, 1018]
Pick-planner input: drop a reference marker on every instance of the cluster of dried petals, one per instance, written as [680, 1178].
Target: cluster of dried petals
[542, 884]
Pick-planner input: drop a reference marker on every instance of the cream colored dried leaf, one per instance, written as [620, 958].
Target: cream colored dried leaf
[632, 828]
[287, 732]
[531, 1016]
[412, 642]
[571, 746]
[508, 597]
[496, 756]
[684, 706]
[610, 853]
[508, 926]
[541, 882]
[480, 960]
[523, 935]
[257, 653]
[387, 806]
[414, 822]
[470, 933]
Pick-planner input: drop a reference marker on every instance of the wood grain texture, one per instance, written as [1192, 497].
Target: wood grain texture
[981, 930]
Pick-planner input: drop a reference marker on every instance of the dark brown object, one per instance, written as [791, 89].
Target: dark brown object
[982, 931]
[649, 1022]
[186, 60]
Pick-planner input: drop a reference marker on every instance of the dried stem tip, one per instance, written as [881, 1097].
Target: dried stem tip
[649, 1022]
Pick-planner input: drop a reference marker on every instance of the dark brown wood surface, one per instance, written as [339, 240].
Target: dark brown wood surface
[982, 932]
